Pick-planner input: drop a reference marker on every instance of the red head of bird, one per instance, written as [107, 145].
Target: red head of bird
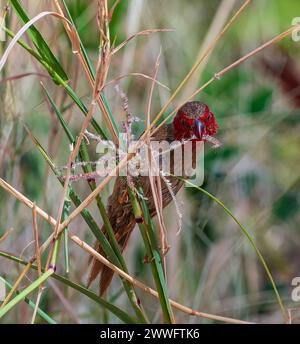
[194, 120]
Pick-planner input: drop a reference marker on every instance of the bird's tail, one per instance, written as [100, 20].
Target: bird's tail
[106, 274]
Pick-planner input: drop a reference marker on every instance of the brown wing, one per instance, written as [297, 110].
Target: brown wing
[122, 221]
[120, 213]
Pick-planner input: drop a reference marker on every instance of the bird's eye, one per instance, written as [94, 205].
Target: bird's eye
[208, 118]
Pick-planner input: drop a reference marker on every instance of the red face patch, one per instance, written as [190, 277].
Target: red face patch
[194, 119]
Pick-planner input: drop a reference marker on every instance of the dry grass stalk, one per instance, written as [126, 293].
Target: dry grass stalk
[101, 72]
[38, 259]
[95, 254]
[115, 80]
[154, 178]
[141, 33]
[147, 289]
[36, 241]
[199, 61]
[6, 235]
[16, 285]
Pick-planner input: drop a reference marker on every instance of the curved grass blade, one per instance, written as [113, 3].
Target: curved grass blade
[113, 309]
[248, 236]
[61, 82]
[39, 42]
[41, 313]
[19, 297]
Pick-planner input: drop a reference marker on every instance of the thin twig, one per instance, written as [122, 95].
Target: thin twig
[141, 33]
[23, 75]
[115, 80]
[16, 285]
[6, 235]
[38, 259]
[37, 302]
[36, 241]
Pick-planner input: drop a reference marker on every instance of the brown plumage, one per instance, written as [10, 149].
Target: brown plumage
[119, 208]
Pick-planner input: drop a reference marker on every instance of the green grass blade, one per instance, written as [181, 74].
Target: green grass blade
[150, 243]
[91, 70]
[65, 213]
[24, 45]
[85, 55]
[113, 309]
[114, 246]
[25, 292]
[84, 109]
[84, 156]
[110, 253]
[40, 312]
[39, 42]
[76, 200]
[60, 117]
[61, 82]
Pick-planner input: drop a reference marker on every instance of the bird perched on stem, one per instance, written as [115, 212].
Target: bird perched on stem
[193, 121]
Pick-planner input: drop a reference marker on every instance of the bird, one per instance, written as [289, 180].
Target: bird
[193, 121]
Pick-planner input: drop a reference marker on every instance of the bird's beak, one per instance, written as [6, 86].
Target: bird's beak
[199, 126]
